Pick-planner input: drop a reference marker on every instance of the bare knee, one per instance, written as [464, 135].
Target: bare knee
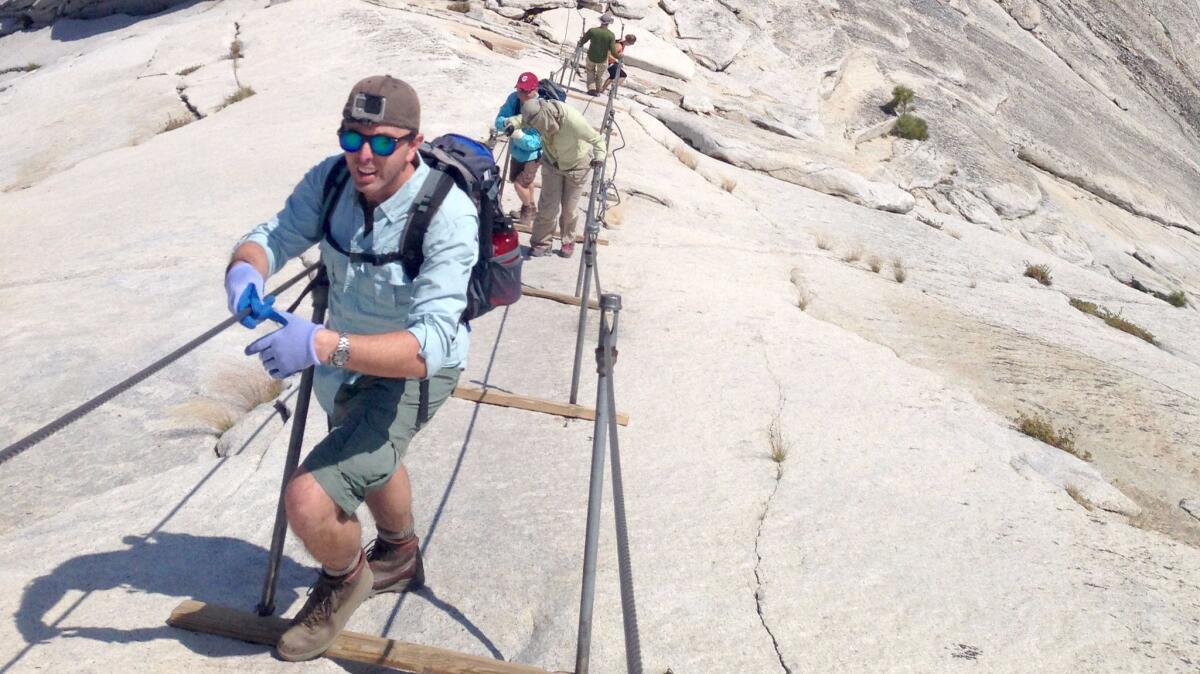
[307, 504]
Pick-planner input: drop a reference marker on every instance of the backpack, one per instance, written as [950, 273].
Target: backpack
[551, 91]
[453, 160]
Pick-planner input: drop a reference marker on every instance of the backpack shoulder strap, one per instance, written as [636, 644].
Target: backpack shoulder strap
[335, 182]
[433, 191]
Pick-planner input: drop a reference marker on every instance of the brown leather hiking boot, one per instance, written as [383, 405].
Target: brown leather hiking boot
[397, 567]
[528, 211]
[331, 602]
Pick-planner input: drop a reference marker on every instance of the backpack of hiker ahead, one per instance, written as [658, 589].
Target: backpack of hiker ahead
[550, 91]
[453, 160]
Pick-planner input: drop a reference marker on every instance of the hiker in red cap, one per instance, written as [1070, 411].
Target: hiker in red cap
[525, 147]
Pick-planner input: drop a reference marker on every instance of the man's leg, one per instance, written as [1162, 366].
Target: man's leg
[395, 556]
[594, 73]
[573, 185]
[331, 537]
[548, 205]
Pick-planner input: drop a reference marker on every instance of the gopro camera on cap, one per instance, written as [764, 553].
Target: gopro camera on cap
[368, 107]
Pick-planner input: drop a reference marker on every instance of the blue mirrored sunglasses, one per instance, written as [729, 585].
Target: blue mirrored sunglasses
[381, 145]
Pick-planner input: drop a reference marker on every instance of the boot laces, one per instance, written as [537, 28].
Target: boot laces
[319, 607]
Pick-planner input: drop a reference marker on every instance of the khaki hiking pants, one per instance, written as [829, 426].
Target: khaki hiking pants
[595, 74]
[559, 201]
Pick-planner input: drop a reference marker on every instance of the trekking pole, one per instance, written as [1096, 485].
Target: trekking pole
[266, 604]
[596, 487]
[608, 356]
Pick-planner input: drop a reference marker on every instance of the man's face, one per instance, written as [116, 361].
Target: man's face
[378, 177]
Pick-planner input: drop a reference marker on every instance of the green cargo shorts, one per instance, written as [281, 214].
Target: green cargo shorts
[373, 421]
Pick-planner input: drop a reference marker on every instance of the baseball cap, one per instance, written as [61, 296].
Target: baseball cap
[527, 82]
[606, 19]
[383, 99]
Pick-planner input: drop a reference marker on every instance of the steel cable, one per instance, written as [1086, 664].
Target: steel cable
[76, 414]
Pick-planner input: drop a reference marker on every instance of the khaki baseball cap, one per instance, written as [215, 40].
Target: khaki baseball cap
[383, 99]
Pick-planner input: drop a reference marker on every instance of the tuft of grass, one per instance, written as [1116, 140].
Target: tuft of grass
[187, 71]
[1040, 428]
[728, 183]
[852, 255]
[875, 263]
[176, 122]
[686, 156]
[241, 94]
[236, 50]
[216, 415]
[911, 127]
[898, 270]
[1075, 495]
[803, 296]
[956, 234]
[1114, 320]
[1039, 273]
[780, 447]
[27, 68]
[823, 241]
[1176, 299]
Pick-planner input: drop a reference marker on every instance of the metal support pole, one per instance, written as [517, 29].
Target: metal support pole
[633, 648]
[595, 495]
[266, 604]
[591, 232]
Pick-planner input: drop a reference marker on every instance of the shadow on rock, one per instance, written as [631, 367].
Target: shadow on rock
[216, 570]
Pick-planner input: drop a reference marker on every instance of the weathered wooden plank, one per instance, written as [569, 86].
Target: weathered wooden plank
[493, 397]
[526, 229]
[226, 622]
[561, 298]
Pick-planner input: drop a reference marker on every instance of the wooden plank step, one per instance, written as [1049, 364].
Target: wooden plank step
[197, 616]
[494, 397]
[561, 298]
[526, 229]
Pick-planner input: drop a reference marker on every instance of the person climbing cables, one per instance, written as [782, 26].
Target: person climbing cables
[525, 146]
[386, 334]
[601, 44]
[571, 148]
[613, 66]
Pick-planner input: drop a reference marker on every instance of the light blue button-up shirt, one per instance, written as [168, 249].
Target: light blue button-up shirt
[368, 299]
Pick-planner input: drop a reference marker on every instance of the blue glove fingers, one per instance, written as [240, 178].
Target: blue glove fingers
[260, 345]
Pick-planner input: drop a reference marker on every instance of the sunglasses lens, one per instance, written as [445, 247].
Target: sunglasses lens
[383, 145]
[351, 141]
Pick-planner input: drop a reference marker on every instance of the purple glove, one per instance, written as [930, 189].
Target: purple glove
[243, 288]
[289, 349]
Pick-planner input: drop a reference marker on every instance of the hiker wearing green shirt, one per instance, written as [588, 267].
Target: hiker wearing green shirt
[571, 148]
[602, 44]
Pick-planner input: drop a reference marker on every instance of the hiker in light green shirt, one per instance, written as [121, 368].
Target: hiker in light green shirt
[571, 148]
[602, 44]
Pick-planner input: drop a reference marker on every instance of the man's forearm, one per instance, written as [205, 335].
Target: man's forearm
[392, 354]
[253, 254]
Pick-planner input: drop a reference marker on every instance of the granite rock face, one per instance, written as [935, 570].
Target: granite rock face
[36, 13]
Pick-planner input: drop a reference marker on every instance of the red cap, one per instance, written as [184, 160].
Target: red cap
[527, 82]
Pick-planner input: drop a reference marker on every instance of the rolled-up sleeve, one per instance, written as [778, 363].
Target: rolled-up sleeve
[440, 289]
[297, 227]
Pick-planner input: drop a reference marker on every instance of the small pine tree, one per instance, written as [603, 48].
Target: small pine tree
[911, 127]
[902, 98]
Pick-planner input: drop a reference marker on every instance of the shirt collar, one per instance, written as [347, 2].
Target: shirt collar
[399, 204]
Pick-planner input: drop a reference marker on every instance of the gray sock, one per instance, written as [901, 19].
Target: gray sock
[395, 536]
[338, 573]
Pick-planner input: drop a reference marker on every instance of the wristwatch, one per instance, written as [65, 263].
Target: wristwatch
[341, 355]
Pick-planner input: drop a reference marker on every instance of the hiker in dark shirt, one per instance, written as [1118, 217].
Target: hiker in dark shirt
[601, 44]
[613, 66]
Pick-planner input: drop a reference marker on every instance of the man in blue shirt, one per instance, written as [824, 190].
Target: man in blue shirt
[525, 146]
[386, 337]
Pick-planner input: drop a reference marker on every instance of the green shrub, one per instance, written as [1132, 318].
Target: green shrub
[1177, 299]
[462, 7]
[1114, 320]
[1039, 273]
[911, 127]
[1040, 428]
[902, 98]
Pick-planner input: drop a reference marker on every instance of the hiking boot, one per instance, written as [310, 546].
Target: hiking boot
[330, 604]
[539, 250]
[527, 213]
[567, 249]
[592, 92]
[397, 567]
